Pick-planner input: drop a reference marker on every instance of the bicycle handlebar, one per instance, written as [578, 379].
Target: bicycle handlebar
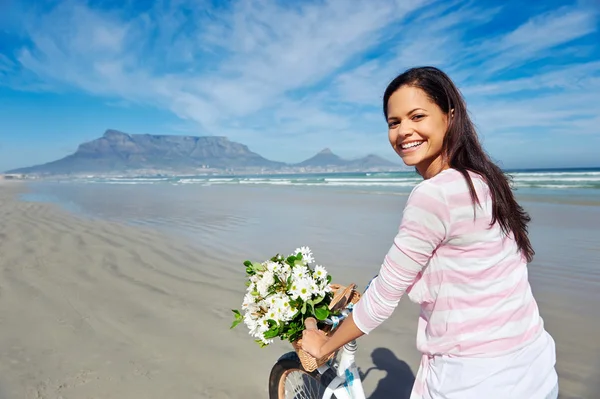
[335, 320]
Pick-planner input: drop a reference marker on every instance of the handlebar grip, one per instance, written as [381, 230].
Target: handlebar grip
[311, 323]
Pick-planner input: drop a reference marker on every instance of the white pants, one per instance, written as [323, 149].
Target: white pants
[528, 373]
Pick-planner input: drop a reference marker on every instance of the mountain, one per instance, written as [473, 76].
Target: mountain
[325, 158]
[322, 159]
[116, 151]
[372, 161]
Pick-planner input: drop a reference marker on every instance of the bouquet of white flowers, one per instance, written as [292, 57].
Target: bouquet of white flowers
[282, 293]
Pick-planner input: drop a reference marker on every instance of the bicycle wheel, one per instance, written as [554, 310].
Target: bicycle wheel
[289, 380]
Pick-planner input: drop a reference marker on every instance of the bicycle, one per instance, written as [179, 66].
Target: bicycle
[340, 379]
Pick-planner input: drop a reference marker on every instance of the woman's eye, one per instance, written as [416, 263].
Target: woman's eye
[393, 124]
[417, 117]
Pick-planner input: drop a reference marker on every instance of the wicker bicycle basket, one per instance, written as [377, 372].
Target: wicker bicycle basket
[342, 296]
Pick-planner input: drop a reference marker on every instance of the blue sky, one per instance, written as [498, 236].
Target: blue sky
[290, 78]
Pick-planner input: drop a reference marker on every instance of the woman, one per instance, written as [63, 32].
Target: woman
[461, 253]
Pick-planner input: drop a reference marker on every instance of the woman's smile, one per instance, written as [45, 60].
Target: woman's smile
[411, 145]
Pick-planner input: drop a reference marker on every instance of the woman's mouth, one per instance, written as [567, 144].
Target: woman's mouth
[411, 145]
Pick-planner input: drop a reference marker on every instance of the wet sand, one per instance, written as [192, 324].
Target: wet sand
[135, 302]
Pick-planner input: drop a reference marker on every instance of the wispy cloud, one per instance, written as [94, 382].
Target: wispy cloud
[315, 71]
[537, 38]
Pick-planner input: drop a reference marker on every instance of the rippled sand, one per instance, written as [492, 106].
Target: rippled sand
[98, 308]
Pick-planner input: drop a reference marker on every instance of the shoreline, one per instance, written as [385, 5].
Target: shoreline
[302, 171]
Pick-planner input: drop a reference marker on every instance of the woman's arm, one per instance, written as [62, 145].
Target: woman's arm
[424, 226]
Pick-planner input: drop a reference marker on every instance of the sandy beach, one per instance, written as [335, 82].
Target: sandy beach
[97, 308]
[93, 309]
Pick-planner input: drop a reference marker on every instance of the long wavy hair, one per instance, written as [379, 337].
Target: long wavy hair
[462, 150]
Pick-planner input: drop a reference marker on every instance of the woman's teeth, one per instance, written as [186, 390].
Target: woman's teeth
[412, 144]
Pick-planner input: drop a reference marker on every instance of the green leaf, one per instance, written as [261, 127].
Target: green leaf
[322, 312]
[247, 263]
[258, 267]
[304, 308]
[272, 332]
[293, 337]
[318, 300]
[238, 318]
[328, 279]
[234, 324]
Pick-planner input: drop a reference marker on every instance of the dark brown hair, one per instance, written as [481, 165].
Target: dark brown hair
[463, 152]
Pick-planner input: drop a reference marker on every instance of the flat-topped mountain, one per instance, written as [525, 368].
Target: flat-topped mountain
[117, 151]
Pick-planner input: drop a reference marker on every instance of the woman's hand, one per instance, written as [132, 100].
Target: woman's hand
[319, 345]
[313, 339]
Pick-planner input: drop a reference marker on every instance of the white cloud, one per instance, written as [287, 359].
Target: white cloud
[269, 51]
[315, 69]
[571, 77]
[536, 38]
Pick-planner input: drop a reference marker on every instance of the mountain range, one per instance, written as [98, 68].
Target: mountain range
[118, 152]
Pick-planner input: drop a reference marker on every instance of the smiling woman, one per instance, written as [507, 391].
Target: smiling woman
[450, 141]
[461, 253]
[417, 134]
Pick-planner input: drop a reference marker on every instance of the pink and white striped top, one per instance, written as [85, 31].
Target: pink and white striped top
[471, 282]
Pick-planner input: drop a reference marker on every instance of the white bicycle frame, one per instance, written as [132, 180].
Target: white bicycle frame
[347, 383]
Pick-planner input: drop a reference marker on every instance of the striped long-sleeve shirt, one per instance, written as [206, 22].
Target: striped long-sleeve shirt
[469, 278]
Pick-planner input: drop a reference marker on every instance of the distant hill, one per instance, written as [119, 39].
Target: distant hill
[372, 161]
[116, 151]
[326, 158]
[322, 159]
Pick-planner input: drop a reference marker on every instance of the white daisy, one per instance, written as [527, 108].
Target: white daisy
[249, 300]
[265, 283]
[300, 272]
[273, 267]
[284, 272]
[320, 272]
[306, 254]
[301, 288]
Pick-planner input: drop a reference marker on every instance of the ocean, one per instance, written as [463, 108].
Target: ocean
[588, 178]
[576, 186]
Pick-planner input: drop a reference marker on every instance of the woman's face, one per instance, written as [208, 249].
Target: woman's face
[417, 127]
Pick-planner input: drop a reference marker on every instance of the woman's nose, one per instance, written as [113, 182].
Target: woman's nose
[405, 131]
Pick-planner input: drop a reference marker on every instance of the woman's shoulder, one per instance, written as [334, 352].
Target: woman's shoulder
[449, 188]
[451, 181]
[440, 182]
